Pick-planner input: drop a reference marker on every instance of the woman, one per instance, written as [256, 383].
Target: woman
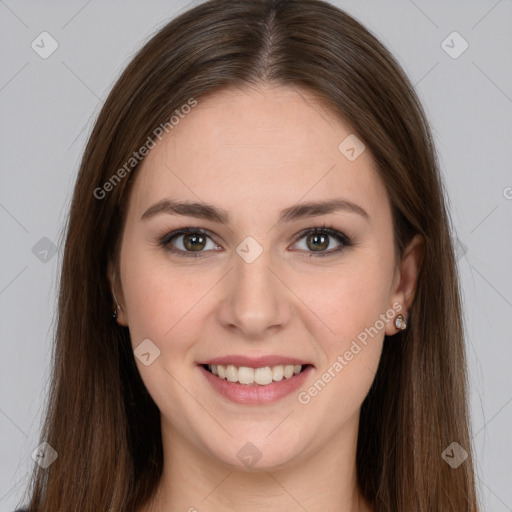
[260, 203]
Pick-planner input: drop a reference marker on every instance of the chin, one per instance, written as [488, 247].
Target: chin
[259, 453]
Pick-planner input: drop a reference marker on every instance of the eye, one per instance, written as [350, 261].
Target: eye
[188, 242]
[195, 242]
[318, 240]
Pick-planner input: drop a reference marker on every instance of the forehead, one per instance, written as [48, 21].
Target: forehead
[258, 149]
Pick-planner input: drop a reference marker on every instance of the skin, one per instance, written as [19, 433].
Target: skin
[253, 152]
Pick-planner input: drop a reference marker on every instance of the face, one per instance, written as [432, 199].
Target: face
[260, 282]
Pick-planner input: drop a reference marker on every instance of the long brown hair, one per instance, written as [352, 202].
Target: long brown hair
[100, 419]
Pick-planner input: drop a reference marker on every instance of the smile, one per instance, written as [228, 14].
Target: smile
[258, 384]
[254, 376]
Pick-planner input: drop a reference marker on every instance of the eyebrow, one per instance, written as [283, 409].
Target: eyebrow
[216, 214]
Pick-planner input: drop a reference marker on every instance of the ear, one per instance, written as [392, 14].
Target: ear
[117, 293]
[405, 281]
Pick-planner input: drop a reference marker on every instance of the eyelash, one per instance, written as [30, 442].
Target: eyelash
[344, 241]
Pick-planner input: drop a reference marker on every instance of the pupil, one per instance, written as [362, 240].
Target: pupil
[191, 241]
[322, 245]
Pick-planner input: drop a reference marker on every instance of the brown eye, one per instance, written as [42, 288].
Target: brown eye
[189, 242]
[194, 242]
[317, 242]
[197, 242]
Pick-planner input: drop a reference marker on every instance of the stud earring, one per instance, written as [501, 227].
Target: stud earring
[114, 314]
[400, 322]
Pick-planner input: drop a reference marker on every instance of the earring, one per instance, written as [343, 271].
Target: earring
[400, 322]
[114, 314]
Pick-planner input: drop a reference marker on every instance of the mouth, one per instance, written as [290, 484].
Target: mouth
[256, 380]
[260, 376]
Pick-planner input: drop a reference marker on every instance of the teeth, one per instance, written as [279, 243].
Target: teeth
[277, 373]
[245, 375]
[261, 376]
[231, 373]
[288, 371]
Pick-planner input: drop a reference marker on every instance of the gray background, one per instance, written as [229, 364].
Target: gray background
[48, 107]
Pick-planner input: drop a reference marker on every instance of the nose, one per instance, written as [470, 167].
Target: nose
[255, 302]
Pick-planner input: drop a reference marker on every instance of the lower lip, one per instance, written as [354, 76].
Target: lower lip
[254, 393]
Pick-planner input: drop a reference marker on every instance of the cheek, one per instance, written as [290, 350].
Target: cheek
[157, 296]
[163, 305]
[351, 305]
[349, 298]
[167, 304]
[353, 301]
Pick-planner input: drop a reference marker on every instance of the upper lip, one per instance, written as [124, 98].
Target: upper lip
[255, 362]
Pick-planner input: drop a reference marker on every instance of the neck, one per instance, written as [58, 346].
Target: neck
[193, 481]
